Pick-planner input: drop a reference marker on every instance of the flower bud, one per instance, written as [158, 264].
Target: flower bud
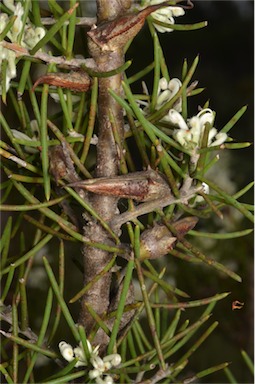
[66, 351]
[114, 359]
[221, 137]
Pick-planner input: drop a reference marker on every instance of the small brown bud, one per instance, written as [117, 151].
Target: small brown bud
[158, 241]
[183, 226]
[76, 81]
[60, 165]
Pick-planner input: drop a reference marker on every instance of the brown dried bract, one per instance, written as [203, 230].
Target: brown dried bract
[116, 33]
[61, 166]
[185, 225]
[158, 240]
[140, 186]
[76, 81]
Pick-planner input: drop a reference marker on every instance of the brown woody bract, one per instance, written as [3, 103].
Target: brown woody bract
[76, 81]
[140, 186]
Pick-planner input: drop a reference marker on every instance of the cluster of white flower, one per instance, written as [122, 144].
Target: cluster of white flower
[166, 91]
[165, 15]
[31, 35]
[100, 366]
[190, 134]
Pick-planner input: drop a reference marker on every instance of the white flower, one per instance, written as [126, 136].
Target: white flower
[93, 373]
[103, 365]
[165, 15]
[165, 92]
[190, 134]
[69, 353]
[97, 363]
[30, 37]
[6, 54]
[3, 21]
[106, 380]
[221, 137]
[114, 359]
[9, 4]
[66, 351]
[177, 119]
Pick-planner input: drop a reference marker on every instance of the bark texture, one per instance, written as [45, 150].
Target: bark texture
[107, 166]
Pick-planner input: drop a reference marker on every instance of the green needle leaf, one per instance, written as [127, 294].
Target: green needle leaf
[54, 29]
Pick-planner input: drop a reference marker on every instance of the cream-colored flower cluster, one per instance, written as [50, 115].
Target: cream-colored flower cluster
[190, 134]
[165, 15]
[166, 91]
[100, 365]
[31, 35]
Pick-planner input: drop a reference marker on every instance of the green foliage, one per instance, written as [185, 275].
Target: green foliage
[40, 234]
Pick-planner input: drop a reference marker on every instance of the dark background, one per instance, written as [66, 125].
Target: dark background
[225, 69]
[225, 48]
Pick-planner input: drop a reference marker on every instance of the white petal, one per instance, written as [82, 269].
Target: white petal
[94, 373]
[195, 131]
[20, 135]
[177, 11]
[159, 17]
[40, 32]
[99, 380]
[212, 134]
[108, 380]
[9, 4]
[66, 351]
[206, 116]
[11, 64]
[184, 138]
[209, 110]
[174, 85]
[161, 29]
[163, 98]
[3, 21]
[80, 364]
[163, 84]
[206, 188]
[78, 352]
[177, 119]
[97, 363]
[3, 53]
[7, 83]
[221, 137]
[153, 2]
[114, 359]
[166, 11]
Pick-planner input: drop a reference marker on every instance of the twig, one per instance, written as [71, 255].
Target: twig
[61, 61]
[150, 206]
[6, 315]
[81, 21]
[107, 166]
[161, 374]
